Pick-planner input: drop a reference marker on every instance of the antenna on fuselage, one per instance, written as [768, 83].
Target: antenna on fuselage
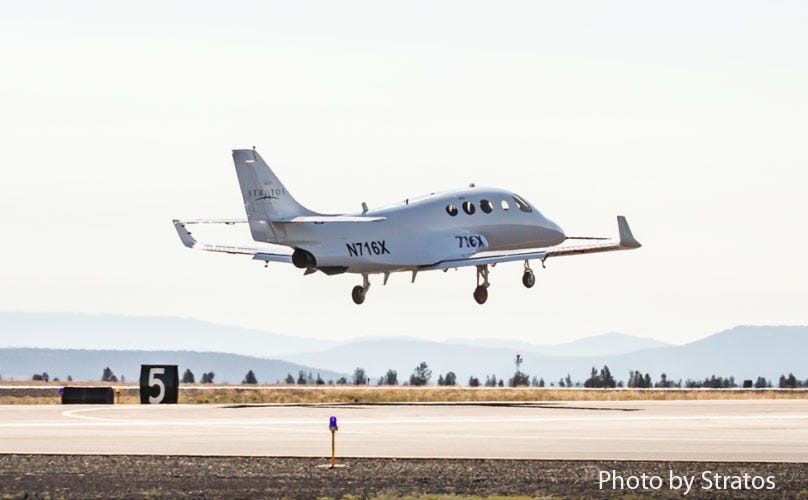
[471, 185]
[364, 207]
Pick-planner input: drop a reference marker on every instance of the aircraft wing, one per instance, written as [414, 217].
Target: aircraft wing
[626, 242]
[264, 254]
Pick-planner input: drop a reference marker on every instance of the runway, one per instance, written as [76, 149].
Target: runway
[741, 430]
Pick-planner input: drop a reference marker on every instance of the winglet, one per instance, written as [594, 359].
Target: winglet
[626, 238]
[185, 235]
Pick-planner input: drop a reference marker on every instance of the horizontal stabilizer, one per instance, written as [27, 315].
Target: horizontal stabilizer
[327, 219]
[240, 220]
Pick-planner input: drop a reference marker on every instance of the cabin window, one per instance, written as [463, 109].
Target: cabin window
[468, 207]
[505, 205]
[522, 204]
[451, 210]
[486, 206]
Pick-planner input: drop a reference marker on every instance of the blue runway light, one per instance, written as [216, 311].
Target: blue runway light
[332, 426]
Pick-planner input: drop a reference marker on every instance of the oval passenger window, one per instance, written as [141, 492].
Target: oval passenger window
[486, 206]
[505, 205]
[451, 210]
[468, 207]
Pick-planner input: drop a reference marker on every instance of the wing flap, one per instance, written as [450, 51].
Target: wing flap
[273, 257]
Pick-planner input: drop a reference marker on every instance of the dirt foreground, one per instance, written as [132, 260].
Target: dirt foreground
[62, 476]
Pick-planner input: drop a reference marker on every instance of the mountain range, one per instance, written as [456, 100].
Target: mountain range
[160, 333]
[119, 332]
[79, 364]
[126, 341]
[745, 352]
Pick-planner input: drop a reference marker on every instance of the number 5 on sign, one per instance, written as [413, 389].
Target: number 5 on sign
[161, 387]
[159, 384]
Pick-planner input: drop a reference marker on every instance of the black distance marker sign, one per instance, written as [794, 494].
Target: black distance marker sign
[159, 384]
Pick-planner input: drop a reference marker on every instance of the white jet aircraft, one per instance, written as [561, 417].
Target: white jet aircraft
[468, 227]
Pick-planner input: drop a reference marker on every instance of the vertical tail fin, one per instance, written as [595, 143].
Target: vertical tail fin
[265, 197]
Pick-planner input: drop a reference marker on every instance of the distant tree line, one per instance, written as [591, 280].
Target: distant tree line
[422, 374]
[602, 378]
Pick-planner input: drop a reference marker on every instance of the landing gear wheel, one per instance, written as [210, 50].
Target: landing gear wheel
[358, 294]
[481, 294]
[528, 279]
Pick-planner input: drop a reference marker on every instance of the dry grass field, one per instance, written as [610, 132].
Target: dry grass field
[460, 394]
[47, 393]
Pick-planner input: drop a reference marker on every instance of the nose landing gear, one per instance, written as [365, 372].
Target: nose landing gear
[481, 292]
[528, 279]
[359, 291]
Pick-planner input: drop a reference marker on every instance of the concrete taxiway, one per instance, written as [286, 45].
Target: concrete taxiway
[743, 430]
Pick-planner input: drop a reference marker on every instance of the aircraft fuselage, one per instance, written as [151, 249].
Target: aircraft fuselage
[418, 231]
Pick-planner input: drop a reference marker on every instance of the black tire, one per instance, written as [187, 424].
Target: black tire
[358, 294]
[481, 294]
[528, 279]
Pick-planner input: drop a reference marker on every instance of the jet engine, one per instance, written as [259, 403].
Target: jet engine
[303, 259]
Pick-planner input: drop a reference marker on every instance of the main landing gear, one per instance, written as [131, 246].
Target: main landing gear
[481, 292]
[359, 291]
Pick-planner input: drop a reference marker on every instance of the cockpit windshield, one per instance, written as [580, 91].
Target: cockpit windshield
[521, 203]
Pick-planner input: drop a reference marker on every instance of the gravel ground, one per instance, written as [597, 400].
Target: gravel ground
[63, 476]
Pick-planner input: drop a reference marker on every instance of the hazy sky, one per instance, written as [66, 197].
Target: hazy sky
[691, 118]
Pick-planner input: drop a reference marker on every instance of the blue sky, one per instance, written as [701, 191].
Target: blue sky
[688, 117]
